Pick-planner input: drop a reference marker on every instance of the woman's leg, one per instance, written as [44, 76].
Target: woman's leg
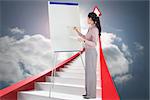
[91, 78]
[86, 60]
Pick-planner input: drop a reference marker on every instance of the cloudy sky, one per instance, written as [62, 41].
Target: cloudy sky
[24, 35]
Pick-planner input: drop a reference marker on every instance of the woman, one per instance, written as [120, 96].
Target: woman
[90, 40]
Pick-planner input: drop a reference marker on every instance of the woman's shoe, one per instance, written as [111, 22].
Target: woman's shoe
[86, 97]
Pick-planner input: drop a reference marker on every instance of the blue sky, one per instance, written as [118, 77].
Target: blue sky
[126, 19]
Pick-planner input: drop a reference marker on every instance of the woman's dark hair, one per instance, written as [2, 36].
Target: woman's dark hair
[96, 20]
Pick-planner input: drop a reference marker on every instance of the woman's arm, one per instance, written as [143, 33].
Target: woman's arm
[94, 40]
[79, 33]
[90, 43]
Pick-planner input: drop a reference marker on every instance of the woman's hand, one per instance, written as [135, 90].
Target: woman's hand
[81, 39]
[81, 36]
[76, 29]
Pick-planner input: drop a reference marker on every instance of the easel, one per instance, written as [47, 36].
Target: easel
[54, 71]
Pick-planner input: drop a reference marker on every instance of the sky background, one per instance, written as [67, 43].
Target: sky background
[125, 32]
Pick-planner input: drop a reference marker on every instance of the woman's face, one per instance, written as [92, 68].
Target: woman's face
[90, 21]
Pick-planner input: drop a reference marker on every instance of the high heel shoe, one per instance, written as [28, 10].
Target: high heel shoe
[86, 97]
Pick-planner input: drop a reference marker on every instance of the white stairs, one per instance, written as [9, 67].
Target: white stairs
[68, 85]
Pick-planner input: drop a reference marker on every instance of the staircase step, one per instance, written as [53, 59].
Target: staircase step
[68, 80]
[74, 70]
[44, 95]
[70, 67]
[78, 62]
[72, 74]
[77, 67]
[37, 95]
[63, 88]
[76, 76]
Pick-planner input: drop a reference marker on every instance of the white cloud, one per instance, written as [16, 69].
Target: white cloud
[123, 78]
[118, 58]
[17, 30]
[109, 38]
[127, 53]
[138, 46]
[21, 58]
[124, 47]
[138, 49]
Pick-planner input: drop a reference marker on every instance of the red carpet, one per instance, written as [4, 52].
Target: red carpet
[109, 91]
